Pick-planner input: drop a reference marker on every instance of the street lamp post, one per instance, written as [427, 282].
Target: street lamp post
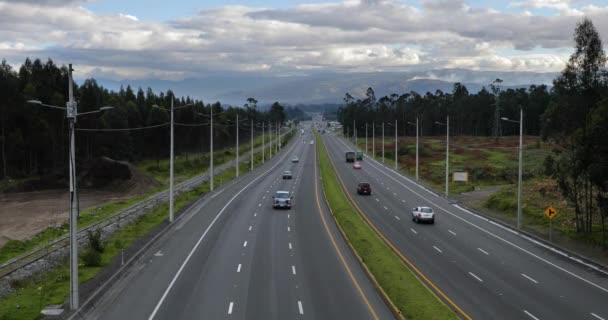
[211, 172]
[263, 143]
[519, 174]
[237, 144]
[269, 139]
[251, 145]
[382, 141]
[416, 124]
[171, 155]
[447, 153]
[374, 139]
[366, 150]
[396, 139]
[72, 114]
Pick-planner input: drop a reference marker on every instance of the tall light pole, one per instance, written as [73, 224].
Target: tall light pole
[366, 150]
[396, 140]
[269, 139]
[251, 143]
[237, 144]
[382, 141]
[519, 174]
[416, 124]
[72, 114]
[447, 153]
[211, 172]
[374, 139]
[171, 155]
[263, 143]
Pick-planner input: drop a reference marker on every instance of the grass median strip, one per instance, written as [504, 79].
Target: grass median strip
[406, 291]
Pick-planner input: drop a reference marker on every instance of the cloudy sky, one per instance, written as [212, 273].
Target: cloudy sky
[159, 39]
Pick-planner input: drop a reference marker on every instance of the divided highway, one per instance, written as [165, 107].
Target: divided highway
[480, 268]
[234, 257]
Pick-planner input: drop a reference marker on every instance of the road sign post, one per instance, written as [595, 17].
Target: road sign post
[550, 212]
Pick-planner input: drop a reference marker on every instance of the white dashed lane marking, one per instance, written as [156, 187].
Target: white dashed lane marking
[596, 316]
[238, 269]
[480, 249]
[527, 277]
[476, 277]
[531, 315]
[438, 249]
[452, 232]
[397, 218]
[300, 307]
[230, 307]
[414, 231]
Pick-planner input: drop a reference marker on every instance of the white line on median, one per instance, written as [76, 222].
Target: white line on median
[293, 270]
[437, 249]
[598, 317]
[452, 232]
[238, 269]
[300, 307]
[476, 277]
[230, 307]
[525, 276]
[414, 231]
[480, 249]
[531, 315]
[397, 218]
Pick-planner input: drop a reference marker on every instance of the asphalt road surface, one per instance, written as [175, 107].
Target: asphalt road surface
[234, 257]
[481, 269]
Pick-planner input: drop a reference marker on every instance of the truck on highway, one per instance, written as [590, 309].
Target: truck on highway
[359, 156]
[350, 156]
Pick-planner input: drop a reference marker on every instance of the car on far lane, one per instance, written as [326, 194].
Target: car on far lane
[312, 142]
[295, 159]
[287, 174]
[364, 188]
[281, 200]
[357, 165]
[423, 214]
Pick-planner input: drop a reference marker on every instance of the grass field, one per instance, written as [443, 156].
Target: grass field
[408, 294]
[52, 287]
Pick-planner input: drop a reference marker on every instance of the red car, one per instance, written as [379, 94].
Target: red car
[357, 165]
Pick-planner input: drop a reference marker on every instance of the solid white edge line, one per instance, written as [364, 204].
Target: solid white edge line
[480, 249]
[531, 315]
[438, 249]
[300, 307]
[230, 307]
[595, 315]
[525, 276]
[238, 269]
[476, 277]
[181, 268]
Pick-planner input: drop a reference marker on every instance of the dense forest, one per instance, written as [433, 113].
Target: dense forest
[573, 114]
[33, 138]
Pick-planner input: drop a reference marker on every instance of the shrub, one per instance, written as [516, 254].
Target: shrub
[95, 241]
[91, 257]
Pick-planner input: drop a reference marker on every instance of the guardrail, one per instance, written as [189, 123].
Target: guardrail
[22, 261]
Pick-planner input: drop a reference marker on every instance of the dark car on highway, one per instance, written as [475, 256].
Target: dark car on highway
[364, 188]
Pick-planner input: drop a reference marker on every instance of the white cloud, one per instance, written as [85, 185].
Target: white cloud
[367, 35]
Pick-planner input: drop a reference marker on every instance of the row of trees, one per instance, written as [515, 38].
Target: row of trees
[573, 114]
[33, 139]
[470, 113]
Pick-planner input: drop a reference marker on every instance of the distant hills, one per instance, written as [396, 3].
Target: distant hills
[330, 87]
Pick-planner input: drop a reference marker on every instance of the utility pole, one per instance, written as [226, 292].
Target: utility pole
[72, 111]
[374, 139]
[366, 150]
[211, 155]
[269, 139]
[519, 175]
[417, 132]
[237, 144]
[447, 156]
[396, 149]
[263, 143]
[171, 166]
[382, 141]
[251, 145]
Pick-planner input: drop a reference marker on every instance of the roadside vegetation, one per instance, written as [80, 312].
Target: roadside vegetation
[406, 291]
[52, 287]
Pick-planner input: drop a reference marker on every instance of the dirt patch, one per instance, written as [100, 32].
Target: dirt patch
[23, 213]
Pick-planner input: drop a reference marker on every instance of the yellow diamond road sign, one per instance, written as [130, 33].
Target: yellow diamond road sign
[550, 212]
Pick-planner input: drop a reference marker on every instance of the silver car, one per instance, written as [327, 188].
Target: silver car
[423, 214]
[281, 199]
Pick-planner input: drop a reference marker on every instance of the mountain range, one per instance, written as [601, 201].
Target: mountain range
[235, 88]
